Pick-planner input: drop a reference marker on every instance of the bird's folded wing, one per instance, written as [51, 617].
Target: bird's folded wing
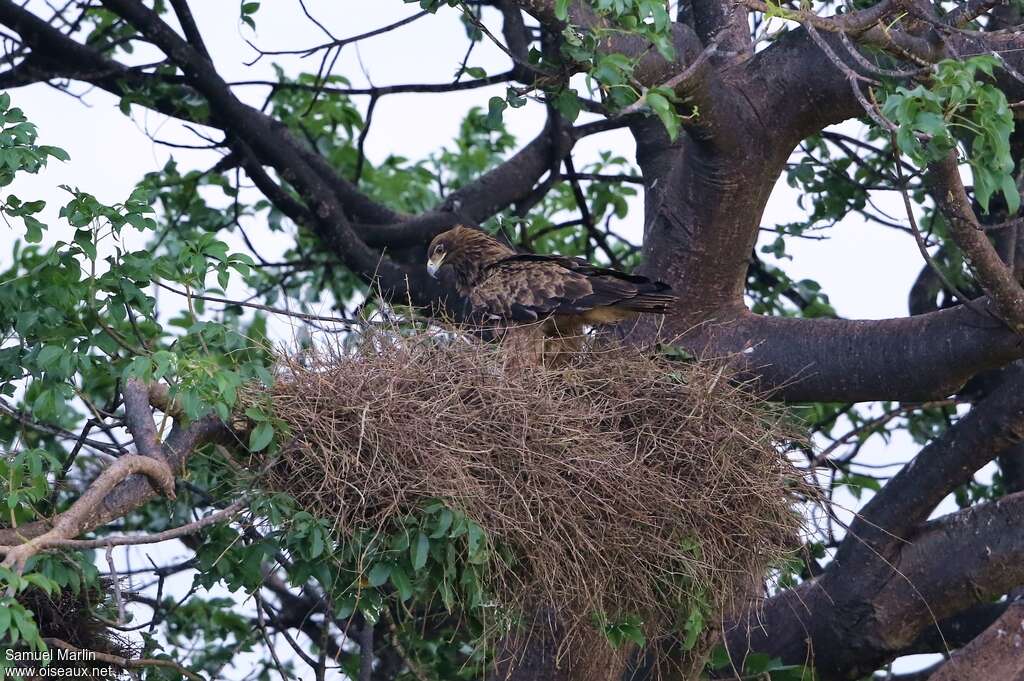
[525, 288]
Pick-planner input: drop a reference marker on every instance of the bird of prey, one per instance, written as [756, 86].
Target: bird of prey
[555, 296]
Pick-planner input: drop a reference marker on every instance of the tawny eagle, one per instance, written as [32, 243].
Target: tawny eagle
[557, 295]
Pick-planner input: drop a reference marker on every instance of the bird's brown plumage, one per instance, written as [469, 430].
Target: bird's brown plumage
[565, 294]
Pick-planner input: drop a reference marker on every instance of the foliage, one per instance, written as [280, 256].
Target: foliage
[959, 106]
[608, 75]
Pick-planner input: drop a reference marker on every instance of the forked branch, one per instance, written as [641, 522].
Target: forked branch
[124, 485]
[82, 514]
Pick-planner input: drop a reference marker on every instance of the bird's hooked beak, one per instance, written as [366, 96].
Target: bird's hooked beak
[434, 264]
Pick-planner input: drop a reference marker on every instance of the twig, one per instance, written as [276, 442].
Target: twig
[258, 306]
[674, 81]
[361, 160]
[310, 51]
[116, 579]
[822, 457]
[123, 662]
[919, 238]
[261, 621]
[380, 91]
[1008, 224]
[27, 421]
[76, 519]
[155, 537]
[400, 649]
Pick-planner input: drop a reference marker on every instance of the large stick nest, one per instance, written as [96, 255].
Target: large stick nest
[624, 483]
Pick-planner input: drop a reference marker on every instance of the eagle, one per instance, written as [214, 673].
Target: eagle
[553, 296]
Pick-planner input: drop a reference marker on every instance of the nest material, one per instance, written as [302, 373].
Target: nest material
[70, 616]
[623, 483]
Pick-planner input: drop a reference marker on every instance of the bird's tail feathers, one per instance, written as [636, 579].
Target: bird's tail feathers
[657, 303]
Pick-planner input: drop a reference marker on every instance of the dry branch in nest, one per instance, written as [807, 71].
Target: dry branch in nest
[623, 485]
[70, 616]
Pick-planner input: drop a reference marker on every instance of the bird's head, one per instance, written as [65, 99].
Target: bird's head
[466, 251]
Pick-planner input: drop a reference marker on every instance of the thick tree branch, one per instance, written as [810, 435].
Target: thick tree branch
[997, 653]
[848, 628]
[489, 194]
[957, 631]
[969, 11]
[135, 489]
[928, 356]
[261, 140]
[995, 277]
[188, 25]
[703, 206]
[83, 513]
[122, 486]
[271, 141]
[725, 22]
[994, 425]
[139, 419]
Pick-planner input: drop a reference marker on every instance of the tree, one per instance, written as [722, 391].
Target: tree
[722, 98]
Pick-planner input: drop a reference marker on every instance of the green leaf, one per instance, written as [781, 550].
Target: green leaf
[636, 635]
[514, 99]
[379, 574]
[55, 152]
[931, 123]
[561, 9]
[26, 625]
[719, 657]
[693, 627]
[162, 361]
[1009, 188]
[476, 539]
[568, 104]
[665, 111]
[42, 582]
[260, 436]
[33, 229]
[317, 547]
[759, 663]
[401, 582]
[254, 414]
[495, 107]
[83, 237]
[444, 521]
[49, 356]
[419, 552]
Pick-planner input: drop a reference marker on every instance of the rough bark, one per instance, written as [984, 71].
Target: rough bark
[846, 636]
[997, 653]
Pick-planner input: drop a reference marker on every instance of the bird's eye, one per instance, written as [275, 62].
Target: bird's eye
[439, 249]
